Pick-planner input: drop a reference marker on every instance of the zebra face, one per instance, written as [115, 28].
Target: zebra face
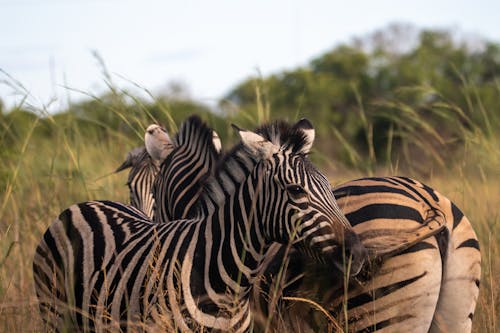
[314, 223]
[296, 198]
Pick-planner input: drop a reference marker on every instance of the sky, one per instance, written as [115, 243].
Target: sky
[47, 48]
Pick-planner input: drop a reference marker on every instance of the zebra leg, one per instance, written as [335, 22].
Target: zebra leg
[461, 276]
[49, 298]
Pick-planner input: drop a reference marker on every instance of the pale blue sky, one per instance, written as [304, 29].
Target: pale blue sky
[208, 45]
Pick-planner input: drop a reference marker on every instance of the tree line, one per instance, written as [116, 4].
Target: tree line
[399, 95]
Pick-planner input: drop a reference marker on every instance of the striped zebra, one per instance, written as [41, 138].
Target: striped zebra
[194, 162]
[144, 163]
[172, 188]
[384, 200]
[104, 266]
[178, 185]
[430, 287]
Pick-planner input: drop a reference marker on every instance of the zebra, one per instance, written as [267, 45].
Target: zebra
[177, 187]
[432, 286]
[103, 265]
[388, 204]
[144, 163]
[145, 167]
[393, 204]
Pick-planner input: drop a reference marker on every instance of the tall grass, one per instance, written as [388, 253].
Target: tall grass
[40, 175]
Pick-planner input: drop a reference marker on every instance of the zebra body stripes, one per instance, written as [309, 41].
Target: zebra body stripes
[176, 193]
[177, 187]
[104, 266]
[437, 279]
[423, 282]
[430, 287]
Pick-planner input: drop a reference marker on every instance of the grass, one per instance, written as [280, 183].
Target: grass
[478, 198]
[40, 177]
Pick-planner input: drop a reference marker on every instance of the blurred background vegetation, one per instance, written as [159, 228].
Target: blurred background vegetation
[380, 100]
[421, 103]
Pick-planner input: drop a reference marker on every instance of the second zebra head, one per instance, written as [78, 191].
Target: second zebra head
[292, 190]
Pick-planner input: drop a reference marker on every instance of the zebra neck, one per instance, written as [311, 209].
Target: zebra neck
[238, 224]
[226, 258]
[235, 223]
[230, 246]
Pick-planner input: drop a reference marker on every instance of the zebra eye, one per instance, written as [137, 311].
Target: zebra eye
[296, 190]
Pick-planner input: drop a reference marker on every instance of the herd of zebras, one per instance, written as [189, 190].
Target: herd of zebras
[245, 240]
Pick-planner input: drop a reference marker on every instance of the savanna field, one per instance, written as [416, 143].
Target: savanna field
[432, 113]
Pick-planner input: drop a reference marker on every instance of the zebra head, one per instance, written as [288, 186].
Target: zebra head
[295, 198]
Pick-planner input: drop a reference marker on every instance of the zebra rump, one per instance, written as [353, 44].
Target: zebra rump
[430, 287]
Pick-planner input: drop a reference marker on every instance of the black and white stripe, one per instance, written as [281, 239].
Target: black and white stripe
[175, 193]
[178, 185]
[438, 278]
[142, 174]
[378, 207]
[104, 266]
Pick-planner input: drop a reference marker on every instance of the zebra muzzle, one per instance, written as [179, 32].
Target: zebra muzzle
[350, 256]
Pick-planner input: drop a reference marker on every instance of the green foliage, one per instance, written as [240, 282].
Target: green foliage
[389, 105]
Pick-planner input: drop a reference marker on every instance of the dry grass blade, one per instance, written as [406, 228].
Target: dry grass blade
[317, 307]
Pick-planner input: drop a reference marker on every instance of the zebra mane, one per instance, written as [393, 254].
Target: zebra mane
[285, 135]
[194, 131]
[194, 139]
[280, 133]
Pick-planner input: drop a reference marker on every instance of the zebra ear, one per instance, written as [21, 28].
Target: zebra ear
[158, 143]
[216, 141]
[257, 143]
[307, 128]
[131, 159]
